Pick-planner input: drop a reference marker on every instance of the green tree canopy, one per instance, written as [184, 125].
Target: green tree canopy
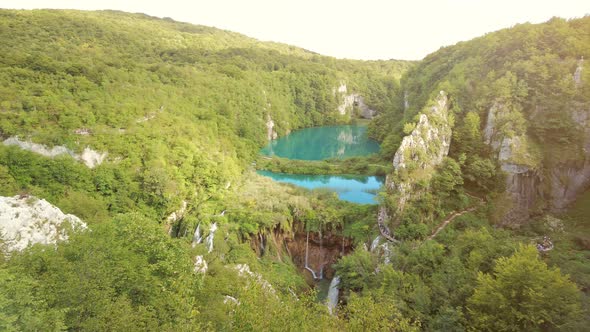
[523, 294]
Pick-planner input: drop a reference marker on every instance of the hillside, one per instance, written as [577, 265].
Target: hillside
[164, 102]
[147, 130]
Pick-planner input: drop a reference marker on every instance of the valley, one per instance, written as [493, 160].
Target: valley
[163, 176]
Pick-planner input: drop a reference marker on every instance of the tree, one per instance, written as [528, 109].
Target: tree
[366, 313]
[448, 178]
[467, 136]
[523, 294]
[356, 269]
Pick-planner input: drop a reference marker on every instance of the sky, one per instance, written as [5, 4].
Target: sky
[361, 29]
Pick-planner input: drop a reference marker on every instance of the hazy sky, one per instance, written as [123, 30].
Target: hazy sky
[363, 29]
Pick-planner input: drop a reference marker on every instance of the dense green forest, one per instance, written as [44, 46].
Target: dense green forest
[182, 111]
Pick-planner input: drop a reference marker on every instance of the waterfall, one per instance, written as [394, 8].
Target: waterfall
[197, 238]
[315, 276]
[406, 103]
[332, 301]
[375, 243]
[210, 237]
[386, 253]
[262, 244]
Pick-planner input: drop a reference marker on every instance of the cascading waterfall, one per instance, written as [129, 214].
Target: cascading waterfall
[332, 299]
[315, 276]
[386, 253]
[375, 243]
[197, 238]
[262, 243]
[210, 237]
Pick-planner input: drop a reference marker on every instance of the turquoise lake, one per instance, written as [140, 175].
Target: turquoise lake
[357, 189]
[319, 143]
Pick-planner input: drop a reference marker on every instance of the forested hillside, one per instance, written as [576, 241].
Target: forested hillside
[148, 129]
[167, 101]
[495, 130]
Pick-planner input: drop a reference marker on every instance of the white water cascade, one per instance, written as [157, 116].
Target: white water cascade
[210, 237]
[375, 243]
[332, 299]
[262, 244]
[315, 276]
[386, 253]
[197, 238]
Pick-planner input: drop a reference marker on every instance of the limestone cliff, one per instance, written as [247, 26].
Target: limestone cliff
[567, 179]
[271, 134]
[578, 72]
[314, 250]
[89, 157]
[350, 101]
[27, 220]
[421, 151]
[532, 185]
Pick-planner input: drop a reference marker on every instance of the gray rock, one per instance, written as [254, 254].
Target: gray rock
[427, 145]
[89, 157]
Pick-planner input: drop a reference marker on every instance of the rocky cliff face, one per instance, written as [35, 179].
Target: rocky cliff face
[421, 151]
[531, 186]
[567, 180]
[320, 250]
[349, 101]
[578, 72]
[28, 220]
[271, 134]
[523, 177]
[89, 157]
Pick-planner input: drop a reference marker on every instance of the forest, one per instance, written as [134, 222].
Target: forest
[181, 112]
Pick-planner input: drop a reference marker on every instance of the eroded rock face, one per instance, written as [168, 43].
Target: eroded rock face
[322, 251]
[200, 265]
[28, 220]
[366, 112]
[424, 148]
[523, 180]
[271, 134]
[578, 72]
[568, 180]
[244, 271]
[349, 101]
[531, 187]
[89, 157]
[347, 104]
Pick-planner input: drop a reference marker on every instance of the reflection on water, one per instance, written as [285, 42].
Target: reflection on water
[320, 143]
[356, 189]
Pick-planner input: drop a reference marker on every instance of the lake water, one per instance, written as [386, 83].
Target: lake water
[319, 143]
[357, 189]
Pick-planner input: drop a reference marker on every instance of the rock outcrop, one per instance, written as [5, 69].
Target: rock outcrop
[531, 186]
[421, 151]
[245, 272]
[322, 250]
[27, 220]
[349, 101]
[271, 134]
[578, 72]
[200, 265]
[365, 111]
[89, 157]
[569, 179]
[523, 177]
